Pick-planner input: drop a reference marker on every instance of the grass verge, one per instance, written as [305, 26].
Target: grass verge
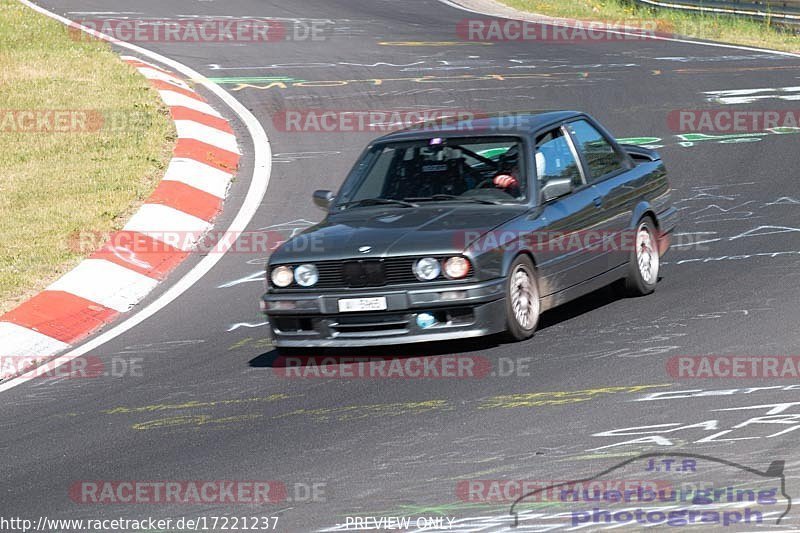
[110, 150]
[707, 26]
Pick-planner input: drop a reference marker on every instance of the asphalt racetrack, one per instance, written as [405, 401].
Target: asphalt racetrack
[210, 405]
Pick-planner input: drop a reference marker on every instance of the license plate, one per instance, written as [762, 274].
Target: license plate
[362, 304]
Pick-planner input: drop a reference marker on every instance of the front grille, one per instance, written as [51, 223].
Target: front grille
[364, 273]
[367, 273]
[353, 274]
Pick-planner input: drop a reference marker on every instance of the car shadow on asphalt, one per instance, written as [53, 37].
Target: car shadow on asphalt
[586, 304]
[591, 302]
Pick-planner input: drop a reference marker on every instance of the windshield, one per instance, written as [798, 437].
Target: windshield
[482, 170]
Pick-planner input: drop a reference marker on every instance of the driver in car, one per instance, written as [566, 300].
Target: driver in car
[506, 179]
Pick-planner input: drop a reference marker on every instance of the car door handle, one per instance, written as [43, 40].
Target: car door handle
[598, 201]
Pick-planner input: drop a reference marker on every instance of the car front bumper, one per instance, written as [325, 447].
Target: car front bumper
[313, 320]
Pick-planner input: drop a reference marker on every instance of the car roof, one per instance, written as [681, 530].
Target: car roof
[484, 124]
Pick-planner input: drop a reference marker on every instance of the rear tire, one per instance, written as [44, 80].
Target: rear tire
[522, 299]
[645, 262]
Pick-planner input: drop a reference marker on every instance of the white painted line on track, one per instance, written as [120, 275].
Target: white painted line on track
[262, 168]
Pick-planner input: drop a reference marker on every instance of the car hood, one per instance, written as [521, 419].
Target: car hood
[394, 231]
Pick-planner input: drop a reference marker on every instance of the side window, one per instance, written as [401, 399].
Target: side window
[599, 154]
[554, 160]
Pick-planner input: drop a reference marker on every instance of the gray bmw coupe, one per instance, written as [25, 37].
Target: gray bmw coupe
[471, 228]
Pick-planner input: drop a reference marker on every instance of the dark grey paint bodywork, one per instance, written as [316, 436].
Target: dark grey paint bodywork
[490, 236]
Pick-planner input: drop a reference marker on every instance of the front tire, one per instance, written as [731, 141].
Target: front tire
[645, 262]
[522, 299]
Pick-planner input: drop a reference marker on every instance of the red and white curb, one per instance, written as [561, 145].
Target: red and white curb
[114, 279]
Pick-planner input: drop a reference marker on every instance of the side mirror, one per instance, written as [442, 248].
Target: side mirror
[556, 188]
[323, 199]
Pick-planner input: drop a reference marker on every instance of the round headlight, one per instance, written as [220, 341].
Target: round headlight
[306, 275]
[456, 267]
[427, 269]
[282, 276]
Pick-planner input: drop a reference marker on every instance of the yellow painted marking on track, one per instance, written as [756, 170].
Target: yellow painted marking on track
[356, 412]
[538, 399]
[434, 43]
[278, 84]
[195, 404]
[417, 79]
[241, 343]
[266, 342]
[192, 420]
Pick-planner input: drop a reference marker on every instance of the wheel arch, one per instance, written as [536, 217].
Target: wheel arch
[643, 209]
[511, 257]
